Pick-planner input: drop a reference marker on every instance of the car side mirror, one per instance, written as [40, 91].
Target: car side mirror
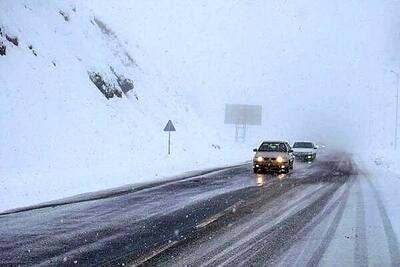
[315, 147]
[291, 151]
[255, 150]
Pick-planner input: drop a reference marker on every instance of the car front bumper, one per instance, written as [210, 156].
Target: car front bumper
[271, 165]
[304, 157]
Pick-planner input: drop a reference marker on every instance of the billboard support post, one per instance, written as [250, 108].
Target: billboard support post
[242, 116]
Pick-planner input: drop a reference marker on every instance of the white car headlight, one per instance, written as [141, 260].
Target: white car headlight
[259, 159]
[279, 159]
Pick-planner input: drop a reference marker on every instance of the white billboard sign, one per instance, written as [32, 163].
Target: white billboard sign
[243, 114]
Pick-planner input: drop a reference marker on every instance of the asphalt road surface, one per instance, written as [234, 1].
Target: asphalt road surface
[318, 214]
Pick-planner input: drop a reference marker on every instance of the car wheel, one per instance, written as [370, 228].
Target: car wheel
[286, 170]
[255, 170]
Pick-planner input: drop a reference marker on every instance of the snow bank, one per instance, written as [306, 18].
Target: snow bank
[386, 159]
[383, 169]
[60, 135]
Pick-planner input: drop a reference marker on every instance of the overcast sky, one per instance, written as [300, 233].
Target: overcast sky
[321, 70]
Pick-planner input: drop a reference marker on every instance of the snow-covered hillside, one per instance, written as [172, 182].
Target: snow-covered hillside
[60, 134]
[87, 86]
[320, 69]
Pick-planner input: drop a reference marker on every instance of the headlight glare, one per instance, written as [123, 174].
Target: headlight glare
[279, 159]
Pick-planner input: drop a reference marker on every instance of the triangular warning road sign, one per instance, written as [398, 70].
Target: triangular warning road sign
[169, 127]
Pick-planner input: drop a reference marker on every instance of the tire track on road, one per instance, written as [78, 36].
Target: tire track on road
[361, 244]
[287, 232]
[319, 252]
[274, 241]
[388, 227]
[246, 240]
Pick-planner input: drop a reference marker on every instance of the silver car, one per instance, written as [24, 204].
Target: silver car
[304, 151]
[273, 156]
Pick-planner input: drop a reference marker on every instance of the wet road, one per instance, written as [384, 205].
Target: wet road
[227, 217]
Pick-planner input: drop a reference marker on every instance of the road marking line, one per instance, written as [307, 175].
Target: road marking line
[155, 253]
[219, 215]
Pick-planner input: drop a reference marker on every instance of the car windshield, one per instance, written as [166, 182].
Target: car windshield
[272, 147]
[303, 145]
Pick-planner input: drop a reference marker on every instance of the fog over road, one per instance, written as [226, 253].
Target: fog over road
[321, 213]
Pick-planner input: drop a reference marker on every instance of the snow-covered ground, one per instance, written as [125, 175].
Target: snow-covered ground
[388, 159]
[61, 136]
[383, 167]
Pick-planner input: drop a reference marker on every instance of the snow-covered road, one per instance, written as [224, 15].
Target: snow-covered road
[348, 218]
[356, 228]
[274, 227]
[330, 212]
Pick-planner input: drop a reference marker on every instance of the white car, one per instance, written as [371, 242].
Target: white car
[304, 151]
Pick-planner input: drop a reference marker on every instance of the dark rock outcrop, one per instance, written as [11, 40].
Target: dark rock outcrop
[3, 49]
[107, 89]
[12, 39]
[64, 14]
[33, 51]
[103, 27]
[125, 84]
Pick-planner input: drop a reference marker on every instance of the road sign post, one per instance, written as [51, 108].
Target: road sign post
[169, 128]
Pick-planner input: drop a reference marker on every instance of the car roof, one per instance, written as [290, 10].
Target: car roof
[274, 142]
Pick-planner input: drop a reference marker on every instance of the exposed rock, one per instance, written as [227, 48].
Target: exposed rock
[117, 92]
[107, 89]
[3, 49]
[64, 14]
[127, 60]
[216, 146]
[11, 39]
[125, 84]
[33, 51]
[103, 27]
[130, 59]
